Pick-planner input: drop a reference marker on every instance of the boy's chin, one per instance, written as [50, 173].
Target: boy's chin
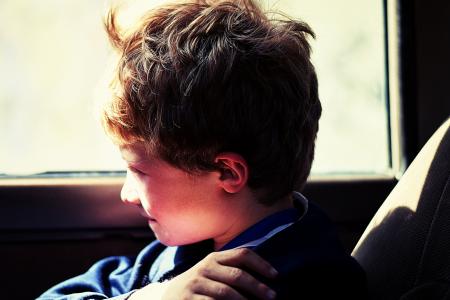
[171, 241]
[163, 237]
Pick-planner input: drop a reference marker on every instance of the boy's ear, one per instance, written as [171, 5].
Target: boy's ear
[233, 171]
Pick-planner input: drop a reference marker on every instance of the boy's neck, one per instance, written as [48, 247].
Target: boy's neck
[249, 214]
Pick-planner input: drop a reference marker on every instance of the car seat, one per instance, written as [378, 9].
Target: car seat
[405, 250]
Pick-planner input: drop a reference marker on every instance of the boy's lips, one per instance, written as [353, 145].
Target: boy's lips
[145, 214]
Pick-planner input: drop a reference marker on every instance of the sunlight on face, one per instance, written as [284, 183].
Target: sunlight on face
[181, 208]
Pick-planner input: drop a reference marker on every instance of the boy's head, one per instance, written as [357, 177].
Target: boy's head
[200, 78]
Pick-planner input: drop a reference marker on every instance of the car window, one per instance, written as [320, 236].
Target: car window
[54, 58]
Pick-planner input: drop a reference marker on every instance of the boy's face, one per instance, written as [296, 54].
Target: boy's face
[181, 208]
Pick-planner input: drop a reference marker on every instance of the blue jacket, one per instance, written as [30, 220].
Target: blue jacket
[305, 250]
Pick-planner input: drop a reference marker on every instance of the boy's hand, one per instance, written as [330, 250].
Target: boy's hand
[220, 275]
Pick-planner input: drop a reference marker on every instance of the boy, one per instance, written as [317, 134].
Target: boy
[216, 112]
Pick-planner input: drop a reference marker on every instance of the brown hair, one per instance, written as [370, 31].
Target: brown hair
[204, 77]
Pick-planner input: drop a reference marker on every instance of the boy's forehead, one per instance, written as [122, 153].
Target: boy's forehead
[134, 152]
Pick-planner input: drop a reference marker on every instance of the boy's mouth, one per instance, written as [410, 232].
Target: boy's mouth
[145, 214]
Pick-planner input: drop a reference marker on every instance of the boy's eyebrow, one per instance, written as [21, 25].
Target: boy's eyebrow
[136, 154]
[132, 156]
[131, 161]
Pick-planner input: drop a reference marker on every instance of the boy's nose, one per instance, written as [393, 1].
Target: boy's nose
[128, 194]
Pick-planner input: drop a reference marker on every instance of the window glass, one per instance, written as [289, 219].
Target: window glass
[54, 56]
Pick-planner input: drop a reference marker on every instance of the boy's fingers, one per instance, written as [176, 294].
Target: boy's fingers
[245, 258]
[243, 281]
[201, 297]
[211, 289]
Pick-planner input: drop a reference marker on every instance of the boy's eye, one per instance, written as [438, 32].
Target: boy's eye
[136, 171]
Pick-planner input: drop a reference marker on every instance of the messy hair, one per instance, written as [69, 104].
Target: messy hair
[199, 78]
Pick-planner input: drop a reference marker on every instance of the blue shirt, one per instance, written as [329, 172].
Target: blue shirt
[300, 243]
